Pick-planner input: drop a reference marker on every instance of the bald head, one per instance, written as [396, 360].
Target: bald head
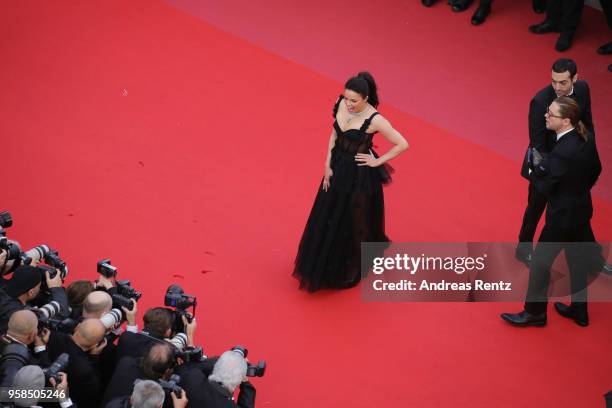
[23, 326]
[89, 333]
[96, 304]
[159, 361]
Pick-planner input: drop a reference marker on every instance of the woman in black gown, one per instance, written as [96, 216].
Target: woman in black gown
[349, 207]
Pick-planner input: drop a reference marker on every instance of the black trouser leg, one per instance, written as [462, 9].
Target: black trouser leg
[571, 13]
[606, 5]
[547, 249]
[536, 203]
[554, 11]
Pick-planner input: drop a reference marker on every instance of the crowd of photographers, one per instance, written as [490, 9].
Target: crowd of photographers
[65, 346]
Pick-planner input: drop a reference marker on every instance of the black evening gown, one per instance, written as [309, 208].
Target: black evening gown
[350, 212]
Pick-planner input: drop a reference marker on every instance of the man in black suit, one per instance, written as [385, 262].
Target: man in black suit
[228, 374]
[157, 363]
[564, 83]
[562, 16]
[566, 176]
[84, 349]
[158, 323]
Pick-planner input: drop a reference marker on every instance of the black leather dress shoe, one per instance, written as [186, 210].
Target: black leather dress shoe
[544, 27]
[481, 14]
[461, 5]
[428, 3]
[607, 268]
[525, 258]
[539, 6]
[524, 319]
[605, 49]
[581, 317]
[564, 42]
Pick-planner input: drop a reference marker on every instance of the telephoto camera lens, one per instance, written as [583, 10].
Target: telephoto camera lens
[38, 253]
[112, 318]
[50, 309]
[179, 341]
[59, 365]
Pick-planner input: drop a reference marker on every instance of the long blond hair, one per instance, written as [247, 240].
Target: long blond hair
[569, 109]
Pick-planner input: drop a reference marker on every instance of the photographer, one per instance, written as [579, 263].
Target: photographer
[22, 332]
[158, 363]
[83, 348]
[24, 287]
[158, 323]
[147, 394]
[3, 281]
[229, 372]
[76, 293]
[33, 377]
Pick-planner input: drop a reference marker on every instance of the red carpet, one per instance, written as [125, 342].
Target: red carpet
[188, 154]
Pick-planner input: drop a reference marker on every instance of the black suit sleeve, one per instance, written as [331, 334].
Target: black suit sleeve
[557, 168]
[586, 116]
[596, 165]
[246, 398]
[537, 126]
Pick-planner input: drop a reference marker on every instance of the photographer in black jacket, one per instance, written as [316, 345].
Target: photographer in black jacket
[84, 371]
[24, 287]
[158, 323]
[15, 346]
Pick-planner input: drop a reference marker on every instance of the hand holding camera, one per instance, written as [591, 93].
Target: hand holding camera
[179, 402]
[54, 280]
[130, 314]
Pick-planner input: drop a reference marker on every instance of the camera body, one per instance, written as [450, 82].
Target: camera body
[6, 221]
[176, 298]
[125, 289]
[105, 269]
[172, 385]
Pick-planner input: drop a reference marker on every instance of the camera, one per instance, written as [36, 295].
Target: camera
[52, 258]
[105, 269]
[121, 301]
[253, 370]
[59, 365]
[172, 385]
[44, 289]
[45, 315]
[13, 252]
[66, 325]
[112, 319]
[124, 289]
[49, 310]
[179, 341]
[176, 298]
[6, 221]
[185, 352]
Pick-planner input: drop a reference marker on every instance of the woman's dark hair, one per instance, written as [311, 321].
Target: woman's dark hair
[77, 291]
[569, 109]
[365, 86]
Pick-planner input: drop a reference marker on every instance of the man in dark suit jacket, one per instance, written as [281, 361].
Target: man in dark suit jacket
[564, 83]
[566, 177]
[84, 367]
